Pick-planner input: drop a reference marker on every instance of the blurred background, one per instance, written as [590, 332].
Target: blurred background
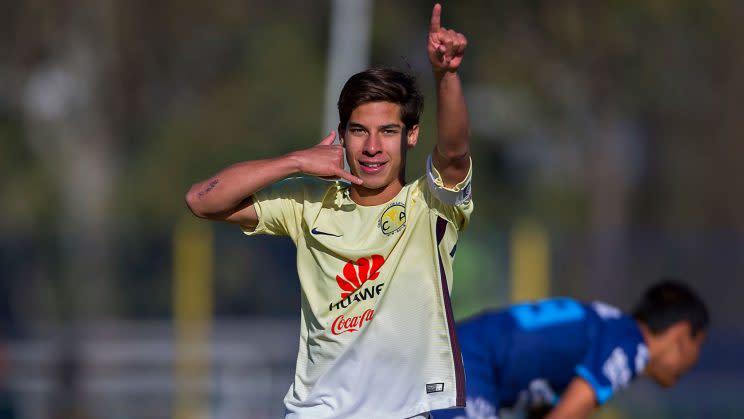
[604, 139]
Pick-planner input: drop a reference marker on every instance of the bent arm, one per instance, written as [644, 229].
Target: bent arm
[226, 196]
[577, 402]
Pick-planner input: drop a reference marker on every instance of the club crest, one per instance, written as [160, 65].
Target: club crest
[393, 219]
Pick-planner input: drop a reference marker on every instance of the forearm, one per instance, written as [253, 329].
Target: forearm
[577, 402]
[453, 132]
[231, 186]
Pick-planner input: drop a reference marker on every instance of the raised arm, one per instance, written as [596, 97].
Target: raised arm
[451, 155]
[226, 196]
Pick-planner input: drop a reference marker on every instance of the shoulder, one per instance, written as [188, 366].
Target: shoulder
[614, 321]
[619, 338]
[305, 188]
[311, 184]
[605, 311]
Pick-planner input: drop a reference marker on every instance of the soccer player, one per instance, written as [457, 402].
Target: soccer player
[562, 358]
[374, 253]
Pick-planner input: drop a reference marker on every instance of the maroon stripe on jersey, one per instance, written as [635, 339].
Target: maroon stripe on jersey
[459, 371]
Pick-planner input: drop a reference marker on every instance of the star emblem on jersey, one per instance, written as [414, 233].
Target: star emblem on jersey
[393, 219]
[357, 273]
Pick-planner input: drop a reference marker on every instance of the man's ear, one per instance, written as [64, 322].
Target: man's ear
[341, 134]
[412, 136]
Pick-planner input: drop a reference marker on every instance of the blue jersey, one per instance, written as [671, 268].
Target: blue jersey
[525, 356]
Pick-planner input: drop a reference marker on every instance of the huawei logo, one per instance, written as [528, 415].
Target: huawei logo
[359, 272]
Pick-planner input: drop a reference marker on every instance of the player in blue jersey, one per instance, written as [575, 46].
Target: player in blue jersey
[561, 358]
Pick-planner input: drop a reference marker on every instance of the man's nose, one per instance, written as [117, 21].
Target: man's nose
[373, 145]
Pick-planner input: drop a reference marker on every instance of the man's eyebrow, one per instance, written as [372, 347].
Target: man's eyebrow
[381, 127]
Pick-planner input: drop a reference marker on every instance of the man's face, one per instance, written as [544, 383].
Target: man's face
[680, 356]
[376, 139]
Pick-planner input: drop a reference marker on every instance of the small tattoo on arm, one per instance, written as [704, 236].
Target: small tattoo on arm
[209, 187]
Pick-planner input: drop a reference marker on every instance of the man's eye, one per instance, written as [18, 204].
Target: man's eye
[357, 131]
[390, 131]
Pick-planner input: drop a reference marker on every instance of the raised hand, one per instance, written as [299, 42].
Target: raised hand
[446, 47]
[325, 160]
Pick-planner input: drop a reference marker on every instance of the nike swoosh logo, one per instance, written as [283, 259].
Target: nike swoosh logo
[323, 233]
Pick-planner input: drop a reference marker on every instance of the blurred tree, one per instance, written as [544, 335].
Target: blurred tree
[69, 131]
[616, 124]
[594, 118]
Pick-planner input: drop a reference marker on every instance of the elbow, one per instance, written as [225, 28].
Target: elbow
[454, 154]
[454, 148]
[193, 203]
[459, 155]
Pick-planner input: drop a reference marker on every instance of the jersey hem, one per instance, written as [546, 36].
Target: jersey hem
[418, 410]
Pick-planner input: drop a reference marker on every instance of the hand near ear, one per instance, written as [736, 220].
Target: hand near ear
[324, 160]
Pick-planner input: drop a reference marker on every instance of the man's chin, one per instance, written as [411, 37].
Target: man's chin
[370, 186]
[371, 182]
[665, 382]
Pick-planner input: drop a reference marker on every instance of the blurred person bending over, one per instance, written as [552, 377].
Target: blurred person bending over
[561, 358]
[374, 253]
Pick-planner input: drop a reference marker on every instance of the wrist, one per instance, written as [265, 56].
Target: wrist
[292, 162]
[443, 73]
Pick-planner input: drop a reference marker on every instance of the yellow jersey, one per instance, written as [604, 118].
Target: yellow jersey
[377, 332]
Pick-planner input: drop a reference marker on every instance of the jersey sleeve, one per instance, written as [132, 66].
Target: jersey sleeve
[612, 361]
[455, 204]
[279, 208]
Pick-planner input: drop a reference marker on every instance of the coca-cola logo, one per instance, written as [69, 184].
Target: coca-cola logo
[344, 324]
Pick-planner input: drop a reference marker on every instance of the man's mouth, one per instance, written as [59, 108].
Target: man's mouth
[371, 167]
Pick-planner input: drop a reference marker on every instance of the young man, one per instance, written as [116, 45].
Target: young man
[375, 255]
[562, 358]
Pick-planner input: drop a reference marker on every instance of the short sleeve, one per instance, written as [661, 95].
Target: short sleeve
[279, 208]
[455, 203]
[612, 360]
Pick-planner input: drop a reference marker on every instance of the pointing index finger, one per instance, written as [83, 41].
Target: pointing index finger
[436, 14]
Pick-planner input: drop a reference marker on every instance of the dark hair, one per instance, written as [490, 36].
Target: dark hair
[668, 302]
[382, 84]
